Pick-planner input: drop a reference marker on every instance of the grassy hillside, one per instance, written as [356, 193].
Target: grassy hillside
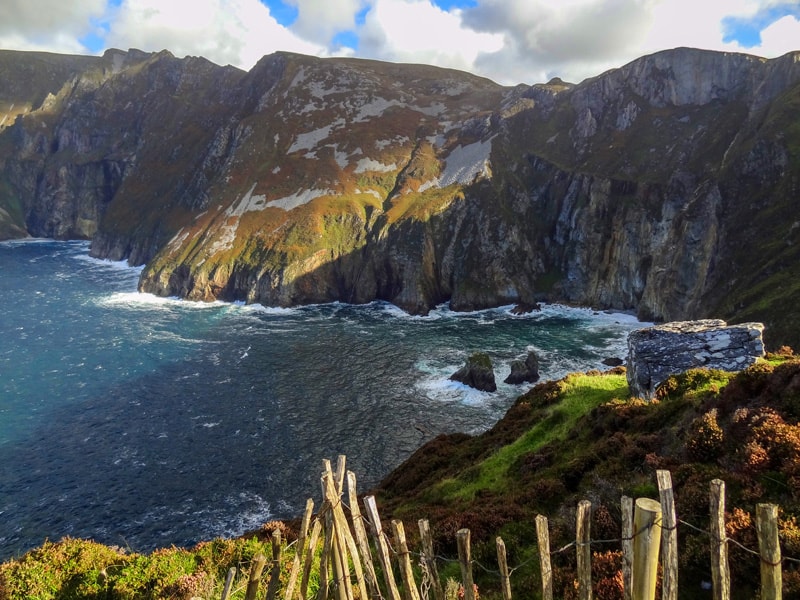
[582, 437]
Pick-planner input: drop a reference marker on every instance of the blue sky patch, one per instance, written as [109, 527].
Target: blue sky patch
[283, 13]
[347, 39]
[448, 4]
[748, 31]
[95, 40]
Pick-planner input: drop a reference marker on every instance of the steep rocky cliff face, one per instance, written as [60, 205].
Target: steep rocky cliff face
[667, 186]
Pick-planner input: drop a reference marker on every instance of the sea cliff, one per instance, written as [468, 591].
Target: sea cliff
[666, 186]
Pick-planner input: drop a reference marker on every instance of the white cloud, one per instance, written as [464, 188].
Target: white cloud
[320, 21]
[52, 25]
[575, 39]
[779, 38]
[417, 31]
[237, 32]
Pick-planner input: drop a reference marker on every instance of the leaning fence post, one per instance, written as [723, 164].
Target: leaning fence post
[502, 562]
[770, 549]
[316, 529]
[299, 550]
[255, 576]
[465, 560]
[361, 538]
[543, 541]
[383, 550]
[428, 558]
[228, 582]
[669, 540]
[646, 544]
[720, 573]
[627, 547]
[583, 522]
[406, 570]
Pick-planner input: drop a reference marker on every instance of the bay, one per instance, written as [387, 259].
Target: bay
[145, 422]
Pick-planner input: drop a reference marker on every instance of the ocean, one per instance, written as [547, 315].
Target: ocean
[145, 422]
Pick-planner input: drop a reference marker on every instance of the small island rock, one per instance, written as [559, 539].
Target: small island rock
[477, 373]
[524, 371]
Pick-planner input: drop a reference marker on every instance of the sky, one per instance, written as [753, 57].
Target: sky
[509, 41]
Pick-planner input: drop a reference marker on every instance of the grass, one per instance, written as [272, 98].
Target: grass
[579, 393]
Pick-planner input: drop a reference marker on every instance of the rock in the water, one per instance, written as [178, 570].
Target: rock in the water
[477, 372]
[524, 371]
[657, 352]
[613, 361]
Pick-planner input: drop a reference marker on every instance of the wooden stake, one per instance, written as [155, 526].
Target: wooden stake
[344, 538]
[406, 570]
[583, 523]
[646, 544]
[502, 563]
[770, 549]
[428, 558]
[299, 550]
[341, 464]
[380, 544]
[627, 547]
[275, 572]
[228, 582]
[259, 560]
[669, 539]
[344, 589]
[361, 538]
[543, 540]
[465, 560]
[309, 559]
[720, 573]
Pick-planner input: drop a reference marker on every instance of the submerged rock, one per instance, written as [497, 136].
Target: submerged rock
[657, 352]
[524, 371]
[477, 373]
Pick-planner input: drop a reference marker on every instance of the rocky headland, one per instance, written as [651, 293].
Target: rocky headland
[665, 187]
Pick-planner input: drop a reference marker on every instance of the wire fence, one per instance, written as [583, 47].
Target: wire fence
[353, 565]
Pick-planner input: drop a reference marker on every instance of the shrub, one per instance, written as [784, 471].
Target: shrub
[704, 442]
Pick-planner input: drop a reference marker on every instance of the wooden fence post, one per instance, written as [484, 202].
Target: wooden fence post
[429, 558]
[583, 547]
[275, 572]
[646, 544]
[543, 541]
[259, 560]
[770, 549]
[720, 573]
[299, 550]
[627, 547]
[465, 560]
[669, 539]
[226, 590]
[502, 562]
[383, 550]
[338, 530]
[316, 529]
[406, 570]
[361, 538]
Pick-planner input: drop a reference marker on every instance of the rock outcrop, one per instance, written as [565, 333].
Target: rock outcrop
[524, 371]
[477, 373]
[655, 353]
[666, 186]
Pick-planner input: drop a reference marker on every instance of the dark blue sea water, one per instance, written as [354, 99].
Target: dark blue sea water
[146, 422]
